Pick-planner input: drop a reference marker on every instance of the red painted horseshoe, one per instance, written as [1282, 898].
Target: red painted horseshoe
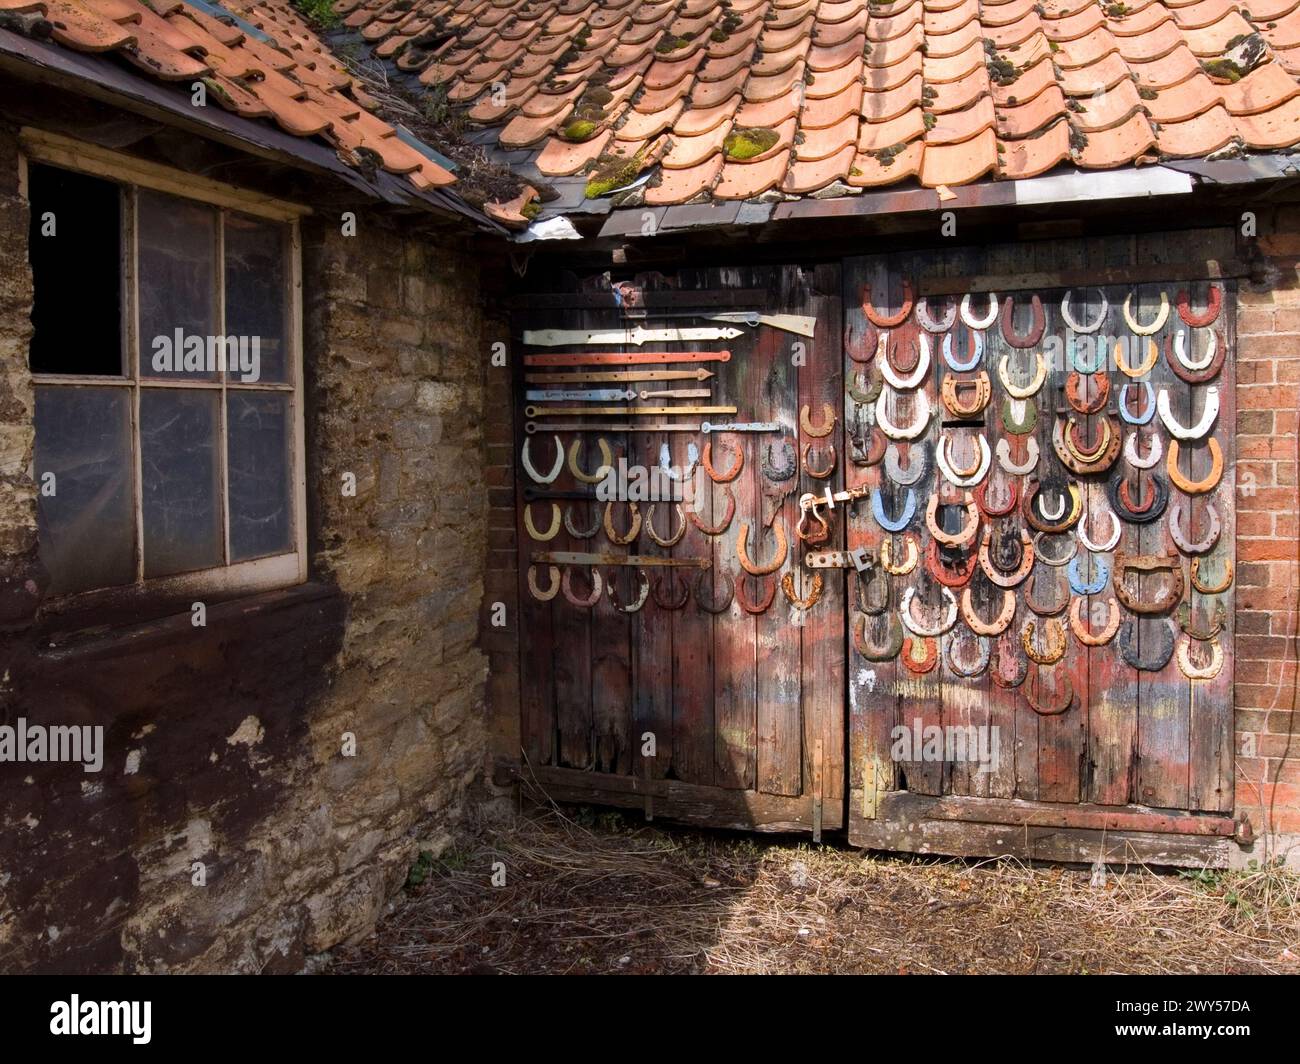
[1200, 376]
[887, 321]
[1075, 383]
[950, 576]
[762, 604]
[656, 592]
[929, 656]
[981, 500]
[862, 349]
[1199, 321]
[1035, 333]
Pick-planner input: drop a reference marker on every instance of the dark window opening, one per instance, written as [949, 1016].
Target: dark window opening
[75, 249]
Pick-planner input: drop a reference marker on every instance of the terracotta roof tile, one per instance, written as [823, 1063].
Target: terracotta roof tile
[749, 179]
[698, 120]
[958, 126]
[1206, 133]
[805, 177]
[823, 143]
[560, 158]
[821, 112]
[959, 164]
[1028, 118]
[871, 170]
[689, 152]
[1109, 148]
[1032, 156]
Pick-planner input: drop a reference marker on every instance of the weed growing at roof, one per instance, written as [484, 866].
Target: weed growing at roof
[320, 13]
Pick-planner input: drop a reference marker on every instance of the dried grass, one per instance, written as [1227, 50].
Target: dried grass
[593, 893]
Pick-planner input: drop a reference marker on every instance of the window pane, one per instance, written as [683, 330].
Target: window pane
[255, 295]
[178, 248]
[75, 247]
[180, 480]
[259, 463]
[86, 525]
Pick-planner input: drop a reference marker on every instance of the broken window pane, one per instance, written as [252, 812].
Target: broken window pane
[75, 233]
[180, 480]
[259, 446]
[178, 318]
[85, 504]
[255, 293]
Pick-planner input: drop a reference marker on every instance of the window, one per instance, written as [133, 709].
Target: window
[168, 379]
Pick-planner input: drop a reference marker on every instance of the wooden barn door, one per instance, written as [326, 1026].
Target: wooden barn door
[1139, 766]
[743, 711]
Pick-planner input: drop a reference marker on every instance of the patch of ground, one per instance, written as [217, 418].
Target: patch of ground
[592, 892]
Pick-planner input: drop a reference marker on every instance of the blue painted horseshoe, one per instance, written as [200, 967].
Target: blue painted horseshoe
[1081, 587]
[1148, 407]
[972, 361]
[896, 525]
[1078, 362]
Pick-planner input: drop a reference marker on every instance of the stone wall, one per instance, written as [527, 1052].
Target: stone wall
[225, 745]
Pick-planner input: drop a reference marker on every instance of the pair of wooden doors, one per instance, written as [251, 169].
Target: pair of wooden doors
[765, 714]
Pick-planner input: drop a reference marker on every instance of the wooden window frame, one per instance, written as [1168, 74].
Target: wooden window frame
[245, 577]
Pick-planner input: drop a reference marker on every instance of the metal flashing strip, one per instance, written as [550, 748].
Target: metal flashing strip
[1094, 185]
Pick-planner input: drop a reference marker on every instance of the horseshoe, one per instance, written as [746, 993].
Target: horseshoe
[597, 587]
[1199, 321]
[537, 478]
[826, 470]
[1106, 545]
[920, 419]
[761, 605]
[969, 526]
[662, 541]
[1079, 626]
[643, 593]
[1163, 653]
[964, 476]
[911, 557]
[977, 346]
[1148, 404]
[712, 605]
[742, 551]
[917, 468]
[1048, 709]
[1179, 342]
[1052, 515]
[1035, 333]
[1152, 456]
[1023, 391]
[1096, 360]
[907, 380]
[824, 429]
[1078, 449]
[531, 528]
[670, 604]
[786, 470]
[606, 462]
[1007, 551]
[665, 461]
[1022, 468]
[1040, 524]
[1077, 382]
[1151, 506]
[950, 576]
[1015, 576]
[1149, 563]
[574, 530]
[868, 602]
[1078, 327]
[866, 396]
[998, 675]
[898, 342]
[1211, 589]
[1146, 500]
[1056, 641]
[706, 459]
[875, 449]
[1209, 411]
[1187, 485]
[928, 659]
[1087, 587]
[928, 323]
[981, 500]
[998, 625]
[979, 323]
[918, 629]
[967, 671]
[724, 524]
[1019, 424]
[1162, 315]
[1219, 348]
[1203, 635]
[1209, 670]
[951, 392]
[887, 321]
[634, 529]
[869, 650]
[893, 524]
[808, 601]
[1085, 463]
[869, 347]
[1060, 560]
[1054, 610]
[553, 572]
[1187, 546]
[1144, 367]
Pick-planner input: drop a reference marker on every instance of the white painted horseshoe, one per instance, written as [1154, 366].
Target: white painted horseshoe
[1180, 350]
[553, 572]
[1189, 432]
[907, 383]
[1161, 317]
[1077, 326]
[666, 461]
[1027, 466]
[1154, 454]
[1204, 672]
[537, 478]
[1024, 391]
[974, 358]
[945, 465]
[920, 422]
[643, 592]
[949, 617]
[1051, 515]
[895, 472]
[979, 323]
[1109, 542]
